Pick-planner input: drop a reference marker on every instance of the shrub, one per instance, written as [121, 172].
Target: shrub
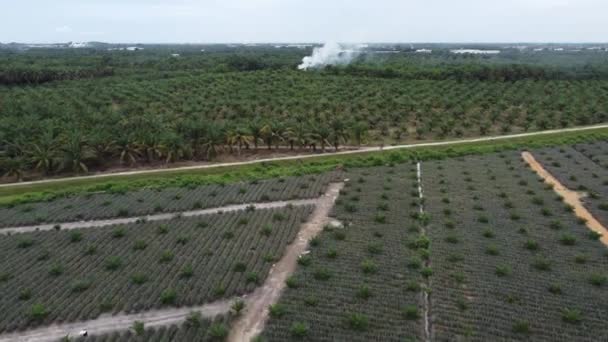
[138, 328]
[299, 329]
[339, 235]
[162, 229]
[38, 312]
[556, 225]
[452, 239]
[531, 245]
[368, 266]
[374, 248]
[542, 264]
[239, 267]
[364, 292]
[580, 259]
[266, 230]
[278, 217]
[597, 279]
[113, 263]
[555, 289]
[305, 260]
[357, 321]
[503, 270]
[322, 274]
[315, 241]
[380, 218]
[414, 263]
[292, 282]
[218, 331]
[90, 250]
[332, 253]
[81, 285]
[276, 310]
[140, 245]
[25, 294]
[166, 256]
[593, 235]
[118, 233]
[187, 272]
[492, 250]
[571, 316]
[410, 312]
[56, 270]
[488, 233]
[182, 240]
[75, 236]
[25, 243]
[252, 277]
[237, 306]
[194, 319]
[311, 301]
[426, 272]
[168, 297]
[139, 278]
[521, 327]
[567, 240]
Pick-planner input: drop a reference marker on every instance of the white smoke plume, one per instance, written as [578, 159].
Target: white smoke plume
[330, 54]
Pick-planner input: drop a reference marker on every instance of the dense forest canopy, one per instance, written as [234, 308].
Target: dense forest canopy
[66, 109]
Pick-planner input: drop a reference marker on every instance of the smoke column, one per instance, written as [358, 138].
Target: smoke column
[330, 54]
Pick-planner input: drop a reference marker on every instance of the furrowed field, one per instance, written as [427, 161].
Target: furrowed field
[473, 247]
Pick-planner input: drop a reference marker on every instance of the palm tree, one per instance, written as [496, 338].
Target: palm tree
[255, 129]
[75, 151]
[14, 167]
[43, 152]
[103, 145]
[213, 140]
[239, 137]
[128, 149]
[338, 132]
[359, 131]
[322, 134]
[174, 147]
[299, 133]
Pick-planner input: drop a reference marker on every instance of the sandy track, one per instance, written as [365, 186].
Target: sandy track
[108, 323]
[251, 323]
[296, 157]
[156, 217]
[247, 326]
[572, 198]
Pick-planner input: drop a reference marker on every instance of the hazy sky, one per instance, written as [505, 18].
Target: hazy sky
[207, 21]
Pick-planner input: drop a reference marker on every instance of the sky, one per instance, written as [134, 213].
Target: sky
[259, 21]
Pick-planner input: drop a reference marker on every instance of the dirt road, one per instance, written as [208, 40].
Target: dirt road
[108, 323]
[361, 150]
[572, 198]
[251, 323]
[156, 217]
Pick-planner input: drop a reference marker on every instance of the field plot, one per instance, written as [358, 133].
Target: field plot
[76, 275]
[510, 261]
[194, 329]
[578, 172]
[361, 282]
[597, 151]
[149, 201]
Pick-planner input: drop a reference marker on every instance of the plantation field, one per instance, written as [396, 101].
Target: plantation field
[597, 151]
[510, 261]
[94, 206]
[75, 275]
[579, 172]
[497, 251]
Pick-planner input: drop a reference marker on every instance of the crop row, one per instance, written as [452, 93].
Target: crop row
[150, 201]
[510, 259]
[361, 282]
[579, 173]
[77, 275]
[597, 151]
[193, 329]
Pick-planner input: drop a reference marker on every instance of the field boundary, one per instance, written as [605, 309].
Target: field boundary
[155, 217]
[571, 197]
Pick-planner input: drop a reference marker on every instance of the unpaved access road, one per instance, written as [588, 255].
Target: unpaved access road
[251, 323]
[572, 198]
[296, 157]
[111, 323]
[245, 327]
[156, 217]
